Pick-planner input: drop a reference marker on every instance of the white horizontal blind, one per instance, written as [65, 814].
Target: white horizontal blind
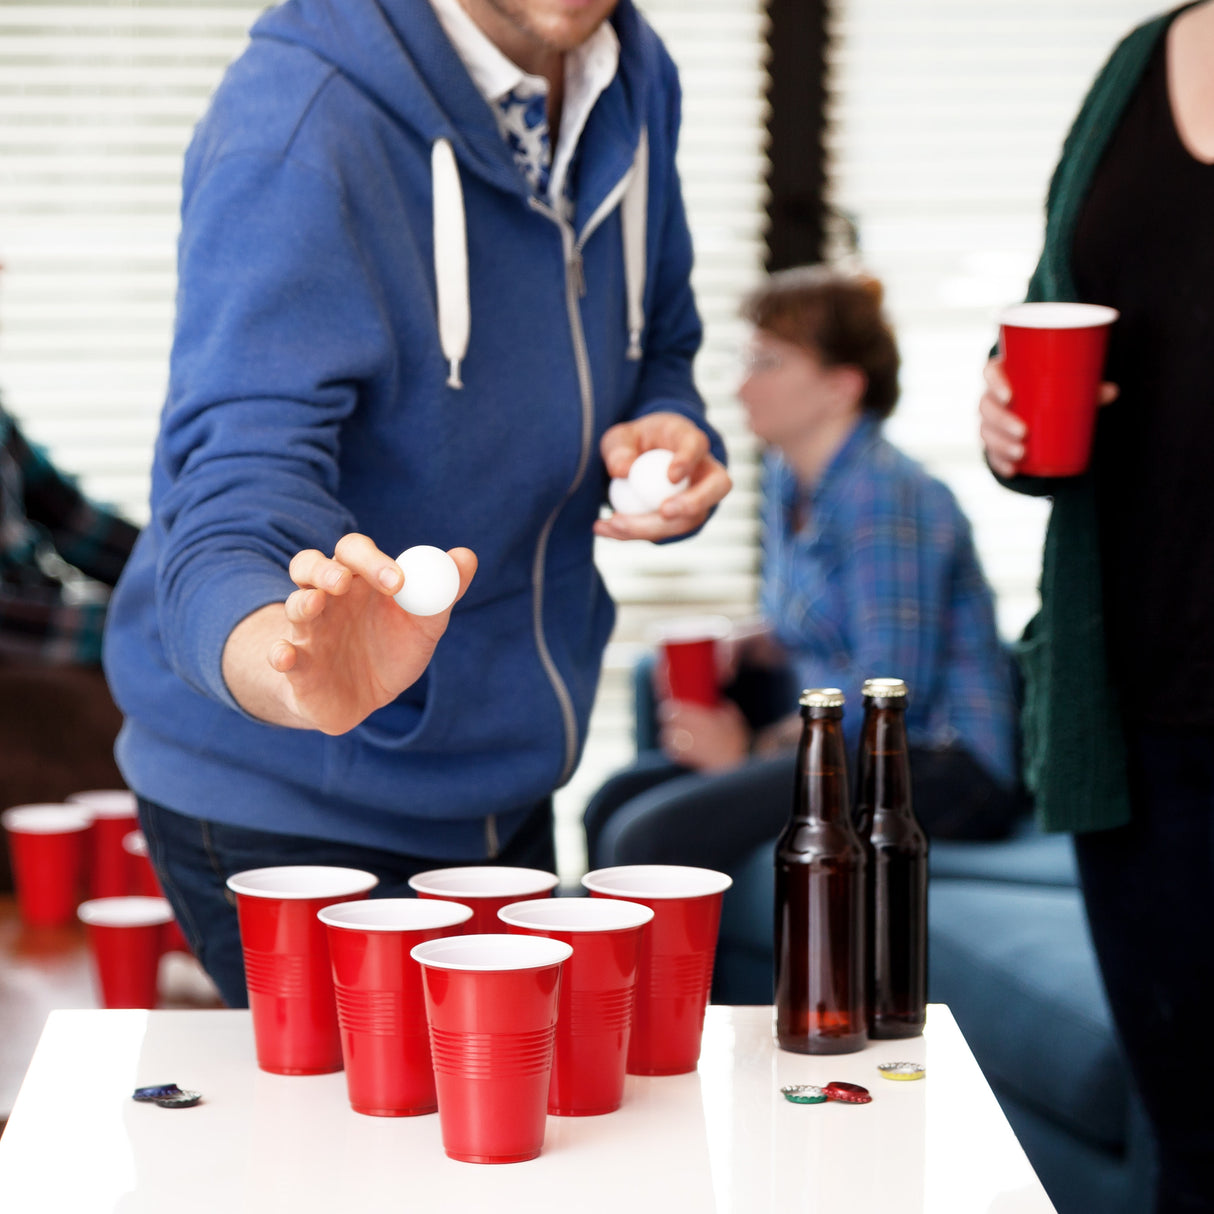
[946, 119]
[97, 102]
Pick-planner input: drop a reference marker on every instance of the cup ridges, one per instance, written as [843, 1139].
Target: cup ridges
[672, 975]
[491, 1055]
[381, 1013]
[592, 1013]
[283, 975]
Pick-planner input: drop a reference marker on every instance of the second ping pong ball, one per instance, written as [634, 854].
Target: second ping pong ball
[431, 580]
[649, 478]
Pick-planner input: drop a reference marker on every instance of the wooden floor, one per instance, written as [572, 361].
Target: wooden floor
[42, 969]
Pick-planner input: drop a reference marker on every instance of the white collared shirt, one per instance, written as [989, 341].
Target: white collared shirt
[589, 69]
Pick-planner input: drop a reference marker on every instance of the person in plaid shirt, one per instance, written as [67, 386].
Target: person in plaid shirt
[59, 556]
[869, 570]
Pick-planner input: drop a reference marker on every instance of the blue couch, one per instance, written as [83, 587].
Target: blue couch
[1009, 953]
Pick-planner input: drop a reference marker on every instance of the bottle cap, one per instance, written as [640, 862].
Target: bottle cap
[848, 1093]
[822, 697]
[804, 1093]
[883, 689]
[902, 1070]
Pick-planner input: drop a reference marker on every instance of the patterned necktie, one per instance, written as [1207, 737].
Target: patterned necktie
[524, 122]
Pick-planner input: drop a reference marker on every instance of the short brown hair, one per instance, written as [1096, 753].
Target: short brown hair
[837, 316]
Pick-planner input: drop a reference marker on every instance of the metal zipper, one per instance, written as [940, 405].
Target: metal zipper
[575, 288]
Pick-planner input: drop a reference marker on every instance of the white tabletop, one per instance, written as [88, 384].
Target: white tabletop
[722, 1139]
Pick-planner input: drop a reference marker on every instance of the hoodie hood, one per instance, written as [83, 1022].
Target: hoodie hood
[397, 53]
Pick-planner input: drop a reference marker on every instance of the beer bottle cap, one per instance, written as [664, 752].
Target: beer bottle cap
[902, 1070]
[848, 1093]
[822, 697]
[883, 689]
[804, 1093]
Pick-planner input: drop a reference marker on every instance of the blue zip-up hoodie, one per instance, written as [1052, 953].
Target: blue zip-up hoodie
[379, 330]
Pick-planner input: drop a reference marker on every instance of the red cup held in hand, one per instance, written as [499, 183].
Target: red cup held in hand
[1053, 357]
[688, 652]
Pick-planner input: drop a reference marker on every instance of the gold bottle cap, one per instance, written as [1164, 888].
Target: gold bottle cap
[883, 689]
[822, 697]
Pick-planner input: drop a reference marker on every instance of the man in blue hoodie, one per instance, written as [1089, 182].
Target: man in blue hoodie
[433, 289]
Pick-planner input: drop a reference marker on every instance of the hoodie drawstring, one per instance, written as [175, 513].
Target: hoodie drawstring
[451, 252]
[634, 212]
[450, 259]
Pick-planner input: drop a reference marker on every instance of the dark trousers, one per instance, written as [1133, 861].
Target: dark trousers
[1149, 891]
[194, 858]
[658, 812]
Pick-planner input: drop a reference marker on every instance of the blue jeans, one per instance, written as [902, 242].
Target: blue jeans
[1149, 892]
[194, 858]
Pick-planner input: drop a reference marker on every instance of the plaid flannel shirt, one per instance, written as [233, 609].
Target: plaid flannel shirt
[881, 579]
[59, 557]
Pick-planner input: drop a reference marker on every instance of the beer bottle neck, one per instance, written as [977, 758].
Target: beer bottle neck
[821, 785]
[883, 778]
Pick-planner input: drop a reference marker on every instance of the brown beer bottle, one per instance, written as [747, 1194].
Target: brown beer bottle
[897, 867]
[819, 952]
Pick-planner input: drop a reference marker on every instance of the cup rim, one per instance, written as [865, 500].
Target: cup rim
[1057, 315]
[576, 915]
[106, 802]
[46, 818]
[129, 910]
[689, 628]
[461, 882]
[491, 952]
[641, 881]
[298, 882]
[394, 914]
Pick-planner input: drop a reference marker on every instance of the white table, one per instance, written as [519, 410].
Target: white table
[722, 1139]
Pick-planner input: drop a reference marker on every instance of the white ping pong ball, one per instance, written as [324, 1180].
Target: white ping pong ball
[431, 580]
[649, 478]
[623, 497]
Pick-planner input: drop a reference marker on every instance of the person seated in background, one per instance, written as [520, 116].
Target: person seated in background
[869, 569]
[59, 557]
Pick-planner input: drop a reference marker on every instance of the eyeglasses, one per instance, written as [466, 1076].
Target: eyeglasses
[756, 361]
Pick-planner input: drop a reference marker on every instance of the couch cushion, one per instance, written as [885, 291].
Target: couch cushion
[1015, 965]
[1029, 857]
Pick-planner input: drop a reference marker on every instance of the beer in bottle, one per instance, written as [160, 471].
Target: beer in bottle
[819, 952]
[897, 867]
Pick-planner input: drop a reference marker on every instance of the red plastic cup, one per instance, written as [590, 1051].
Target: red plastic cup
[1053, 356]
[381, 1011]
[141, 879]
[286, 961]
[598, 989]
[485, 888]
[126, 942]
[47, 843]
[115, 815]
[677, 953]
[491, 1002]
[689, 658]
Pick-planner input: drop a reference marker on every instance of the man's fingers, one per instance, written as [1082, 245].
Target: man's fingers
[709, 488]
[360, 555]
[312, 568]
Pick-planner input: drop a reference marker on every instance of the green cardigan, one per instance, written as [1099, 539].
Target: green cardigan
[1073, 736]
